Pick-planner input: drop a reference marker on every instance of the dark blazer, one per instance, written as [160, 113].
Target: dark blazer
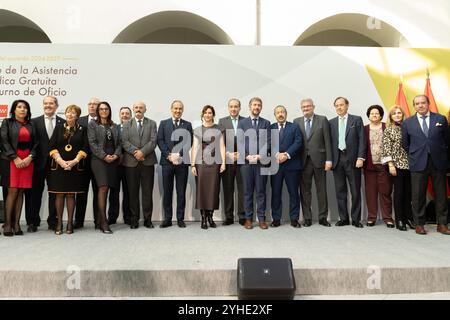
[368, 164]
[318, 145]
[96, 138]
[10, 139]
[418, 146]
[247, 124]
[291, 143]
[131, 141]
[83, 121]
[165, 143]
[41, 134]
[226, 124]
[354, 139]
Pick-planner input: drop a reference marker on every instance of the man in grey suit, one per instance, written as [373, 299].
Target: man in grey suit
[139, 159]
[348, 145]
[232, 172]
[317, 160]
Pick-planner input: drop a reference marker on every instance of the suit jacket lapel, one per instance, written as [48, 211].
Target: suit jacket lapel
[349, 125]
[432, 123]
[313, 126]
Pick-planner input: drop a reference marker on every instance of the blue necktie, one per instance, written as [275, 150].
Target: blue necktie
[281, 131]
[424, 125]
[308, 128]
[255, 123]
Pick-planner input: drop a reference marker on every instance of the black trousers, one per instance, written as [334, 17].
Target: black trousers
[229, 176]
[320, 178]
[346, 170]
[402, 195]
[140, 177]
[114, 198]
[81, 201]
[419, 183]
[33, 201]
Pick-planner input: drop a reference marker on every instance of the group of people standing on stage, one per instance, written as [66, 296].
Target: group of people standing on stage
[70, 154]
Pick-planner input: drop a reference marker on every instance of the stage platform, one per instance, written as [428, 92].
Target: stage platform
[191, 262]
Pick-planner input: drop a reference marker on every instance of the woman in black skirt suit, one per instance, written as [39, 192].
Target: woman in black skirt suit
[105, 146]
[207, 165]
[67, 175]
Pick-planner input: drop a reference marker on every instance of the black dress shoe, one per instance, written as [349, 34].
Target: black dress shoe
[242, 221]
[390, 225]
[295, 224]
[307, 223]
[324, 222]
[78, 225]
[275, 223]
[8, 233]
[134, 226]
[148, 224]
[342, 223]
[410, 223]
[165, 224]
[181, 224]
[401, 226]
[357, 224]
[31, 228]
[227, 222]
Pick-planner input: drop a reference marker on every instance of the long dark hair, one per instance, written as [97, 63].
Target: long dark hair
[14, 106]
[97, 113]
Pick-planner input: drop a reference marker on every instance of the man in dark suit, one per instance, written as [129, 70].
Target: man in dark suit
[174, 141]
[254, 139]
[114, 195]
[232, 172]
[348, 145]
[82, 198]
[316, 159]
[425, 138]
[139, 159]
[44, 126]
[290, 164]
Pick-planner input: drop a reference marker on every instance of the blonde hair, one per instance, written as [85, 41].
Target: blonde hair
[391, 122]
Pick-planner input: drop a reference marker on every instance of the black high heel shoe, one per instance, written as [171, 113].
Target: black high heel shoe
[18, 232]
[69, 229]
[106, 230]
[58, 230]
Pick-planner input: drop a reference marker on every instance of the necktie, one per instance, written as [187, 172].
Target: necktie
[281, 131]
[177, 123]
[234, 121]
[342, 146]
[308, 128]
[424, 126]
[139, 127]
[255, 123]
[50, 127]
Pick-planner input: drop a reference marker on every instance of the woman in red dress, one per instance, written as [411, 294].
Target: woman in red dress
[18, 150]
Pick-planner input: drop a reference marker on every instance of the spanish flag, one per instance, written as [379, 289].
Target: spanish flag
[401, 101]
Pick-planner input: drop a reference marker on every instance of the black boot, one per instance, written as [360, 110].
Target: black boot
[203, 225]
[211, 222]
